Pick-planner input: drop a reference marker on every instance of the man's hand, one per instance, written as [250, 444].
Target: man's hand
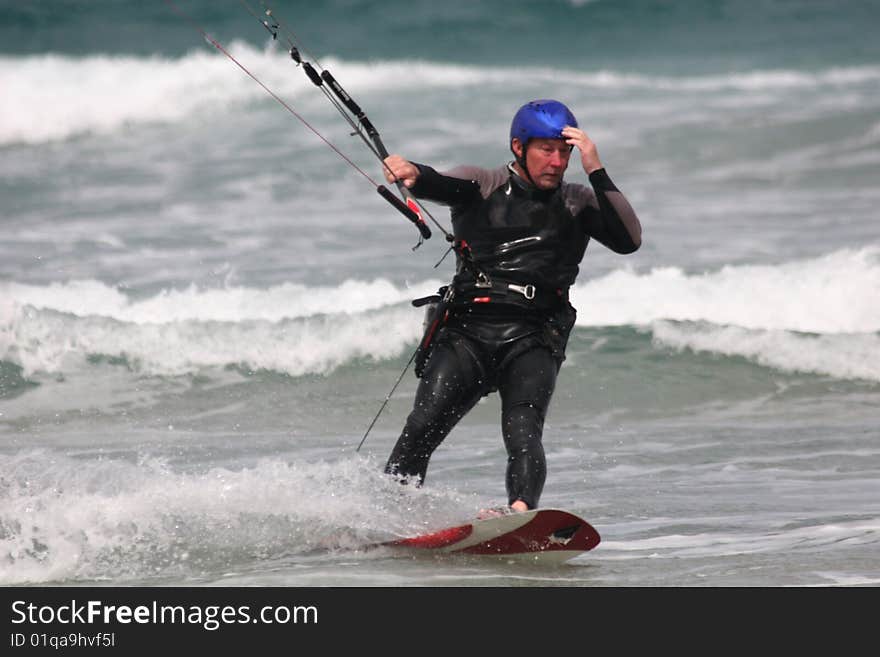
[589, 154]
[397, 168]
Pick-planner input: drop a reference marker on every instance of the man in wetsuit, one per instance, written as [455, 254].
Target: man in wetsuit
[503, 323]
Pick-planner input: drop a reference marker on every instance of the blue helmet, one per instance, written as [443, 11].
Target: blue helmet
[541, 119]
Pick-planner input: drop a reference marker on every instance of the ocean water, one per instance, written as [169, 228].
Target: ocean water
[202, 306]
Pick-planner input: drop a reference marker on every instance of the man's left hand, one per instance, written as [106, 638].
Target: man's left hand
[589, 154]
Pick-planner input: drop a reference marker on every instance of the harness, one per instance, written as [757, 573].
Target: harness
[480, 292]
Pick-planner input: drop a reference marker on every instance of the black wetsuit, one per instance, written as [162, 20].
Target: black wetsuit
[507, 317]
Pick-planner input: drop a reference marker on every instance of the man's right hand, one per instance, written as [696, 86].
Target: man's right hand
[397, 168]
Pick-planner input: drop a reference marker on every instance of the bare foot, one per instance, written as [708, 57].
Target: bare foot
[517, 507]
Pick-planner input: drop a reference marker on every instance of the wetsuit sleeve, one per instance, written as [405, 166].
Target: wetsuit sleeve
[449, 190]
[609, 218]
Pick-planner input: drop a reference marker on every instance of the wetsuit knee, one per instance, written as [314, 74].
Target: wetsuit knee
[525, 417]
[448, 389]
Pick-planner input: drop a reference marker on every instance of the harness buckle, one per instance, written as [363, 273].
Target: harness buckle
[483, 281]
[528, 291]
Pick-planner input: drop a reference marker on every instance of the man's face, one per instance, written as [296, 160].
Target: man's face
[547, 160]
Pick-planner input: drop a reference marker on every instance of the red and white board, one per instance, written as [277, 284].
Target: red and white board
[544, 535]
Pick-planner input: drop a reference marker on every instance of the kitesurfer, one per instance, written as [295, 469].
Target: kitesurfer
[502, 324]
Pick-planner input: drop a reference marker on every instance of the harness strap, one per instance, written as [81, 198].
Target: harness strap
[510, 292]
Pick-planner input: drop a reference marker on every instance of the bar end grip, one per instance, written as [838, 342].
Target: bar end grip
[405, 210]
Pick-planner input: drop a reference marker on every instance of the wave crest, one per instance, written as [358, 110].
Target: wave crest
[58, 97]
[746, 310]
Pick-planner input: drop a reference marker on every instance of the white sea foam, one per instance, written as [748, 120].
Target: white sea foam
[228, 304]
[835, 293]
[288, 328]
[48, 341]
[816, 315]
[51, 97]
[819, 316]
[845, 356]
[65, 518]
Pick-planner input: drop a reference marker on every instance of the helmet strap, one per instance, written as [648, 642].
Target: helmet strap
[521, 161]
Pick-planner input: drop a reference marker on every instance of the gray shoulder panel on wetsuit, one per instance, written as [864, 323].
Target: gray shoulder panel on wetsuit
[488, 179]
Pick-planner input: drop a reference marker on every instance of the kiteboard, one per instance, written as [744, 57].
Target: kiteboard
[548, 536]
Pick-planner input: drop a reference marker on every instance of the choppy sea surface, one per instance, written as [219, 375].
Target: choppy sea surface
[202, 306]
